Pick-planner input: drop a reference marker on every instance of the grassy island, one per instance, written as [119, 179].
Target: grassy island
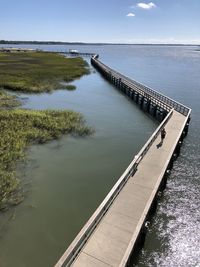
[32, 72]
[36, 72]
[20, 128]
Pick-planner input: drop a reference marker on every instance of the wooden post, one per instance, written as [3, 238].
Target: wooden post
[136, 97]
[141, 101]
[155, 107]
[178, 148]
[148, 104]
[186, 129]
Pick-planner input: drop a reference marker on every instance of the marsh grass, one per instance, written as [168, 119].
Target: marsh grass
[36, 72]
[32, 72]
[7, 101]
[19, 129]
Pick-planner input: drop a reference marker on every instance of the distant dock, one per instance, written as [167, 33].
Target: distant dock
[75, 54]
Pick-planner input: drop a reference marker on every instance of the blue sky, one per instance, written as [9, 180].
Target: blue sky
[115, 21]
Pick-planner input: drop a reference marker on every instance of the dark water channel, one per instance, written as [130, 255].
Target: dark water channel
[65, 180]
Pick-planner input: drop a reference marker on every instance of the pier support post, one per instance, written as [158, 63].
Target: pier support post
[132, 93]
[185, 132]
[178, 148]
[136, 97]
[141, 101]
[160, 114]
[116, 81]
[119, 83]
[164, 180]
[125, 90]
[155, 107]
[164, 114]
[148, 104]
[186, 129]
[128, 91]
[171, 163]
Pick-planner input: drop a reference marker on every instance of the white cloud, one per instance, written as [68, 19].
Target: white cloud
[146, 6]
[130, 15]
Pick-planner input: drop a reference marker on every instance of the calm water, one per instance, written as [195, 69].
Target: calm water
[65, 180]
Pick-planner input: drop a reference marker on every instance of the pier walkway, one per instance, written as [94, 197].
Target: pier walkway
[118, 226]
[112, 241]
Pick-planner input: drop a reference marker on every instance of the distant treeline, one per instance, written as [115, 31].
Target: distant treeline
[36, 42]
[79, 43]
[46, 43]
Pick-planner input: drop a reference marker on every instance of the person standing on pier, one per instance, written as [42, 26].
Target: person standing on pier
[163, 134]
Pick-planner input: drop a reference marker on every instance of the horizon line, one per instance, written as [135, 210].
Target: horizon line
[92, 43]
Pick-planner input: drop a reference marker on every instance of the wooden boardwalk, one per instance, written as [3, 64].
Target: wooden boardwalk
[118, 225]
[112, 241]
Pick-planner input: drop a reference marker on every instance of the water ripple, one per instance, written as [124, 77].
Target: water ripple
[174, 237]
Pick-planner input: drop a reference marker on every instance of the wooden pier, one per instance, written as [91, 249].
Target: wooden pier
[74, 54]
[118, 226]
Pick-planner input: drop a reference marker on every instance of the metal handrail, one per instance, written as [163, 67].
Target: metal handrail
[165, 99]
[74, 249]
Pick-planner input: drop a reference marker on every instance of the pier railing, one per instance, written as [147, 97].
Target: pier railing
[74, 249]
[167, 102]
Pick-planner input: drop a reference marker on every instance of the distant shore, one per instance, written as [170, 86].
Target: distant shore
[12, 42]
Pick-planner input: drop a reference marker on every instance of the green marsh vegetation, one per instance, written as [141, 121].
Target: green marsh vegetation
[37, 72]
[32, 72]
[7, 101]
[20, 128]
